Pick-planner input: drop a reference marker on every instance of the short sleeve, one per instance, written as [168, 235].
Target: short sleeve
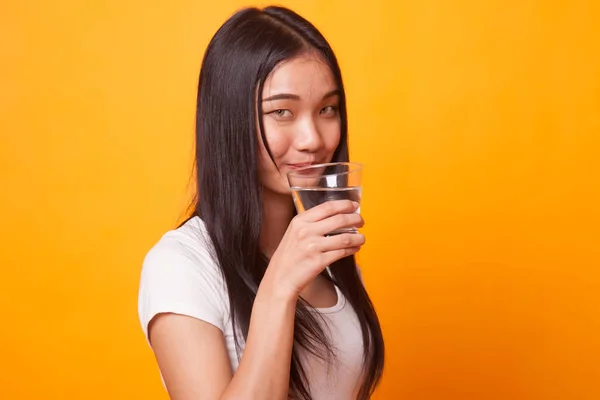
[178, 279]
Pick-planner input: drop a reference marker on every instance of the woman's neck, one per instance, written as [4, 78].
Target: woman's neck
[278, 211]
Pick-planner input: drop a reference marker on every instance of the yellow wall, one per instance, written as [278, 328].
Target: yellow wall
[479, 123]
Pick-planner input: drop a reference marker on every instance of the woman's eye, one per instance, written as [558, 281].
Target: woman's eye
[329, 110]
[281, 113]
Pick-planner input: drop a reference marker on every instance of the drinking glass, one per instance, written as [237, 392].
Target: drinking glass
[316, 184]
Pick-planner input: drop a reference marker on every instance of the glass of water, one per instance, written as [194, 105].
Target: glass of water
[316, 184]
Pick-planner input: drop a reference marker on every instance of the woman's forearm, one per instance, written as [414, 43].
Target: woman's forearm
[264, 369]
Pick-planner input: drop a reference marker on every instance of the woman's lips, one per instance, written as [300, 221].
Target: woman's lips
[300, 165]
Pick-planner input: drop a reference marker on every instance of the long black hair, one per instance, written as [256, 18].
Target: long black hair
[238, 60]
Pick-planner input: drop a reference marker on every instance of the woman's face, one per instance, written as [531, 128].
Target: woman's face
[302, 125]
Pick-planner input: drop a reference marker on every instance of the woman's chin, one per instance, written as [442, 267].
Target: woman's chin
[277, 190]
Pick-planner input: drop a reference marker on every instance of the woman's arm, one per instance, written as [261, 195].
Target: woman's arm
[192, 354]
[194, 362]
[264, 370]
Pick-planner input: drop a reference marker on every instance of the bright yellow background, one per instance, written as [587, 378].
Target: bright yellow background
[479, 123]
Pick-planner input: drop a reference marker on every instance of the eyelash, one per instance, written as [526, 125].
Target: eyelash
[281, 111]
[334, 109]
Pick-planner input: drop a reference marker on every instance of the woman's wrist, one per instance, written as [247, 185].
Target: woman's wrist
[273, 291]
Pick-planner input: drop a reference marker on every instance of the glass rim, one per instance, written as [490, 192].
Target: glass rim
[298, 171]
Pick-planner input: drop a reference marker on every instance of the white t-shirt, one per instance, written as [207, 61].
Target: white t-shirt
[180, 276]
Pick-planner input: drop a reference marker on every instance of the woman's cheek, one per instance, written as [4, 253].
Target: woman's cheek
[278, 147]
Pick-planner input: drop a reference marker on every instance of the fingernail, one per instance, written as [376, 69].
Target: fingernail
[355, 204]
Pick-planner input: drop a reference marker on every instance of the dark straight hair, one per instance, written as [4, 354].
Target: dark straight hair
[238, 60]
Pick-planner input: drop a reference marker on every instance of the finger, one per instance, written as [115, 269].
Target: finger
[341, 241]
[330, 208]
[332, 256]
[338, 221]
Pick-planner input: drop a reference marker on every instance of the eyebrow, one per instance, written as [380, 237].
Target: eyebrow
[289, 96]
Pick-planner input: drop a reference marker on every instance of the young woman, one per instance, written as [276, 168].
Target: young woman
[246, 299]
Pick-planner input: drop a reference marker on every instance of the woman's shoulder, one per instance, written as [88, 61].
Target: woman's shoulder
[190, 240]
[183, 250]
[179, 275]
